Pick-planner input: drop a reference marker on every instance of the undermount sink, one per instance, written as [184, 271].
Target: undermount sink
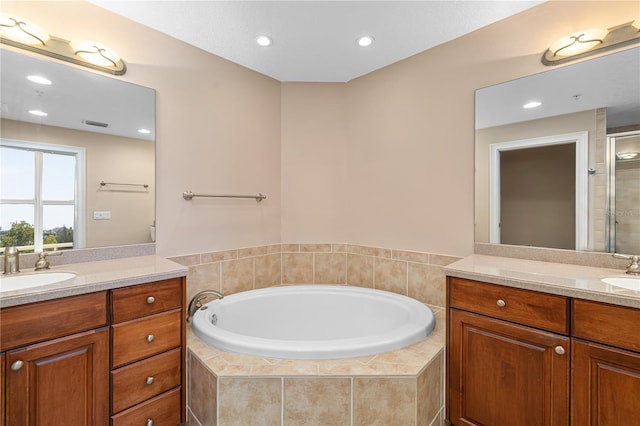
[631, 283]
[22, 281]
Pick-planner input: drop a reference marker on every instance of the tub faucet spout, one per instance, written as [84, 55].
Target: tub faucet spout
[196, 301]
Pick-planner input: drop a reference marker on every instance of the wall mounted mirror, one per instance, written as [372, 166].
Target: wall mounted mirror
[77, 155]
[546, 175]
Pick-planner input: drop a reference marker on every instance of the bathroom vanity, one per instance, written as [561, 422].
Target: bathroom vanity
[540, 343]
[105, 347]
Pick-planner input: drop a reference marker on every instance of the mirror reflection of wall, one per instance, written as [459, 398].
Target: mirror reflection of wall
[624, 192]
[96, 114]
[592, 96]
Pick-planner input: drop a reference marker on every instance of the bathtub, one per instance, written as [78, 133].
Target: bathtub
[312, 322]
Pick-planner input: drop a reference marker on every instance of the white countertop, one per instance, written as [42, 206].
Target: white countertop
[582, 282]
[95, 276]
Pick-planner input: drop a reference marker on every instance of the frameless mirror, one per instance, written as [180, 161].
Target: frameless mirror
[77, 157]
[551, 175]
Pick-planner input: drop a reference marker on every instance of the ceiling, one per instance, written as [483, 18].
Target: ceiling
[315, 41]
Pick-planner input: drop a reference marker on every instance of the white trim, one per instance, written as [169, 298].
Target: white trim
[581, 139]
[79, 233]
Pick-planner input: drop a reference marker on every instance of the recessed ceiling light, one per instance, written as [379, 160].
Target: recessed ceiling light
[39, 79]
[532, 104]
[264, 41]
[365, 41]
[144, 131]
[38, 113]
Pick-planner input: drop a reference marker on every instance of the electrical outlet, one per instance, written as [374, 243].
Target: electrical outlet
[102, 215]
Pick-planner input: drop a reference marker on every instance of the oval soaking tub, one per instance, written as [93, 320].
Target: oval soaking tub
[312, 322]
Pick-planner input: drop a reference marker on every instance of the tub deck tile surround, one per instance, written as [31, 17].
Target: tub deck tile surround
[402, 387]
[399, 387]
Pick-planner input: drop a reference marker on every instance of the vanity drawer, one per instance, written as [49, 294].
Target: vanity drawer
[146, 299]
[145, 379]
[540, 310]
[609, 324]
[139, 339]
[163, 410]
[36, 322]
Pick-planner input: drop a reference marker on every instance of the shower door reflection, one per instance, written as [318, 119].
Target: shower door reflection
[624, 192]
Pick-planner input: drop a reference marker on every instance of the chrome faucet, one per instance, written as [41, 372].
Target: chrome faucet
[11, 260]
[196, 302]
[43, 261]
[634, 267]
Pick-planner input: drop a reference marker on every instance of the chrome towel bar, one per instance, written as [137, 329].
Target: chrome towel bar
[188, 195]
[103, 183]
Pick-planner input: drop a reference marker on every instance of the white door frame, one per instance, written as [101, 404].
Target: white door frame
[581, 139]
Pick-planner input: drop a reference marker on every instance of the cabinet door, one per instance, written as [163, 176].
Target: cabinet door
[60, 382]
[605, 385]
[506, 374]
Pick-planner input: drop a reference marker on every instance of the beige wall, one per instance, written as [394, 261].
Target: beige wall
[405, 143]
[132, 211]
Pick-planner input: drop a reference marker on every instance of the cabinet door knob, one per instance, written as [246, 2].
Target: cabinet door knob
[150, 300]
[560, 350]
[150, 380]
[149, 422]
[17, 365]
[151, 338]
[501, 303]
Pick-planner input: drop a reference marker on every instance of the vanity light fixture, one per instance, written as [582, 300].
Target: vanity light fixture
[22, 31]
[95, 53]
[590, 42]
[365, 41]
[264, 41]
[38, 79]
[17, 32]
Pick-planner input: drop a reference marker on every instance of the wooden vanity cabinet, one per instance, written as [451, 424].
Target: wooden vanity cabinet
[606, 364]
[112, 357]
[147, 354]
[56, 362]
[519, 357]
[508, 364]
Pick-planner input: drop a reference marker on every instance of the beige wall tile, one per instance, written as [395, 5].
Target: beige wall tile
[315, 248]
[330, 268]
[360, 270]
[252, 251]
[376, 251]
[290, 248]
[203, 277]
[187, 260]
[391, 275]
[297, 268]
[427, 284]
[216, 256]
[202, 392]
[442, 260]
[237, 275]
[430, 391]
[339, 248]
[317, 401]
[274, 248]
[387, 401]
[252, 401]
[411, 256]
[268, 270]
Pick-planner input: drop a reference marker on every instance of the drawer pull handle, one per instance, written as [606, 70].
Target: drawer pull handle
[17, 365]
[560, 350]
[151, 338]
[150, 300]
[501, 303]
[150, 380]
[149, 422]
